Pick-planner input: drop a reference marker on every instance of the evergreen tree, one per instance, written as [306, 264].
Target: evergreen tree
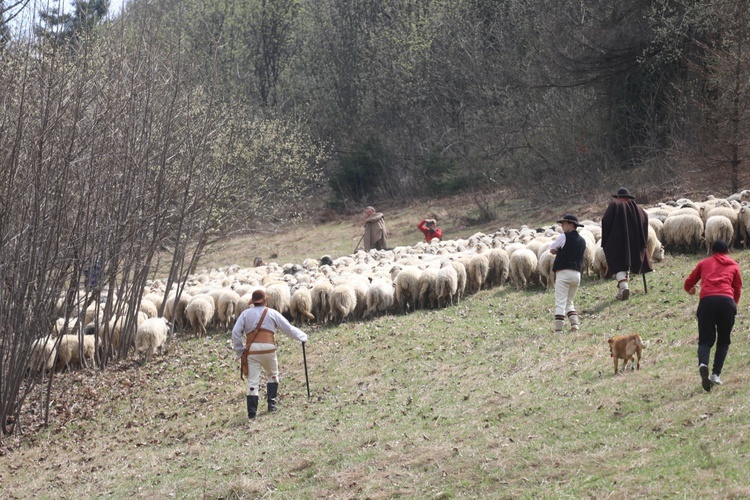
[67, 28]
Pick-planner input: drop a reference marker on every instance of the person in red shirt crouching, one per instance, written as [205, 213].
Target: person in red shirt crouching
[430, 230]
[721, 287]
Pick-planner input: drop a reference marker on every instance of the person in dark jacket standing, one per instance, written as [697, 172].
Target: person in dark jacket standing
[568, 250]
[721, 287]
[624, 239]
[376, 235]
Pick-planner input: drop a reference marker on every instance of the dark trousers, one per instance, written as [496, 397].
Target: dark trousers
[715, 322]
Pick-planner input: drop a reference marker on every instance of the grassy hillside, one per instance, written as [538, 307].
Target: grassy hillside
[477, 400]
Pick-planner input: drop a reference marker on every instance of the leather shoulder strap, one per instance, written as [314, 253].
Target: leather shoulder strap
[255, 332]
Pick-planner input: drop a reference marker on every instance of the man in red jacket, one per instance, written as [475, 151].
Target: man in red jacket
[430, 230]
[721, 287]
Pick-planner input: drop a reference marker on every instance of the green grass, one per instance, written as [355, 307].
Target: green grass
[477, 400]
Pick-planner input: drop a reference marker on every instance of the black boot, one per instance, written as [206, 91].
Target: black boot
[272, 388]
[252, 406]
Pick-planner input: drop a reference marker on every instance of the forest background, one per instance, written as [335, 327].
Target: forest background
[174, 125]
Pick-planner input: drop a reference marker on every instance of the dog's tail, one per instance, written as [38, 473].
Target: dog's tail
[642, 344]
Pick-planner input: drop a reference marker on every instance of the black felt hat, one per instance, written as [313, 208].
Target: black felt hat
[623, 193]
[570, 218]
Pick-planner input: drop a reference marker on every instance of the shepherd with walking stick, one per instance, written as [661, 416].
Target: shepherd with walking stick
[253, 341]
[376, 235]
[624, 240]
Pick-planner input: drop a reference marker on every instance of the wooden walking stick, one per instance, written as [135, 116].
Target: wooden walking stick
[645, 285]
[304, 360]
[360, 241]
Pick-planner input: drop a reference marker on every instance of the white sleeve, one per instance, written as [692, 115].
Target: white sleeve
[287, 328]
[558, 243]
[237, 334]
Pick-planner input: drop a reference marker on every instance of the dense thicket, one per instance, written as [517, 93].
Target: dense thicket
[434, 96]
[115, 150]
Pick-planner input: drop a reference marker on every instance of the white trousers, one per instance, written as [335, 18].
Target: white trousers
[566, 285]
[258, 362]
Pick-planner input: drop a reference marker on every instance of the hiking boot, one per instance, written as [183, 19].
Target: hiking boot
[715, 379]
[705, 380]
[252, 406]
[272, 389]
[625, 294]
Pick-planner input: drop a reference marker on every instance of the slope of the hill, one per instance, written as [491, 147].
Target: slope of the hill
[476, 400]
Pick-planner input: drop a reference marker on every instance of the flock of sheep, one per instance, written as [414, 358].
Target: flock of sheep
[368, 284]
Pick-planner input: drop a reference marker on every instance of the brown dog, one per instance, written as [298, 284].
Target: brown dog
[623, 348]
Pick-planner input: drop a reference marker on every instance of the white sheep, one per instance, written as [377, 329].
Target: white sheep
[588, 253]
[113, 335]
[461, 284]
[743, 224]
[447, 284]
[68, 351]
[499, 265]
[43, 354]
[523, 264]
[657, 225]
[148, 308]
[653, 246]
[379, 297]
[476, 272]
[600, 261]
[682, 232]
[406, 293]
[343, 302]
[150, 338]
[156, 298]
[718, 227]
[300, 305]
[545, 264]
[321, 300]
[279, 296]
[428, 293]
[199, 313]
[227, 304]
[176, 314]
